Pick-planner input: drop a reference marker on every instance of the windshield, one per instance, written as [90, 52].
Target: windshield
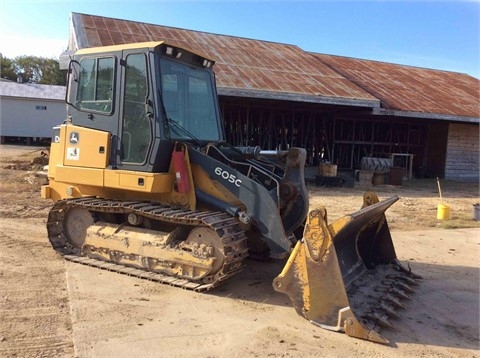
[188, 98]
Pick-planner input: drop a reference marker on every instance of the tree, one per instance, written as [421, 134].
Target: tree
[40, 70]
[7, 68]
[32, 69]
[52, 75]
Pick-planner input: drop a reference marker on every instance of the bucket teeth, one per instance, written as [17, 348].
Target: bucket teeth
[378, 319]
[388, 311]
[405, 287]
[399, 293]
[393, 291]
[405, 279]
[399, 284]
[394, 302]
[409, 280]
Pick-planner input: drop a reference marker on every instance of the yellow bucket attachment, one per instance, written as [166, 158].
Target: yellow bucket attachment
[345, 276]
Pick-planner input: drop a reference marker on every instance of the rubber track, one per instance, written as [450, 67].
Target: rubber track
[225, 226]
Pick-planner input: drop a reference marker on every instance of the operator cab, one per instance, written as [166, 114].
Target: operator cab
[148, 96]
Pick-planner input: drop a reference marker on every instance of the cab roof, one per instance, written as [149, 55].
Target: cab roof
[136, 45]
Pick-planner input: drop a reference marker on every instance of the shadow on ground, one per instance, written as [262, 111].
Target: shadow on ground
[443, 311]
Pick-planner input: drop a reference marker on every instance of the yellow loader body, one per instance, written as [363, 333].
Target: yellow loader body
[144, 183]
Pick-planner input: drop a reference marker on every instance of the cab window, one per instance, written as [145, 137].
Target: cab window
[136, 132]
[188, 98]
[95, 85]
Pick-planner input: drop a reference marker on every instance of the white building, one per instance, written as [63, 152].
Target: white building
[29, 111]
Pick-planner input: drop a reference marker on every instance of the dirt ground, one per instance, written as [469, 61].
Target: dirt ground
[52, 308]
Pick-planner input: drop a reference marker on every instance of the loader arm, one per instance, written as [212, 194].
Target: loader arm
[277, 210]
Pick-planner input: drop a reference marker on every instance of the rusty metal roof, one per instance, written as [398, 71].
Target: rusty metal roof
[262, 69]
[411, 89]
[244, 67]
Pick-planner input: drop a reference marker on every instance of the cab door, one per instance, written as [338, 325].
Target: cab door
[135, 122]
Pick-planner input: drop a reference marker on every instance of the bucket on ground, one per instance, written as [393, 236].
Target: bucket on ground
[443, 212]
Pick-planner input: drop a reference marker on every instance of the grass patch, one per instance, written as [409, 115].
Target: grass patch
[459, 221]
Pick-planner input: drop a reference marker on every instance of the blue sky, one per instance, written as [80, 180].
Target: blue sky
[443, 35]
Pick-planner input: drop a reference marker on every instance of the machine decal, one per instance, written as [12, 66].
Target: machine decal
[74, 138]
[73, 153]
[227, 176]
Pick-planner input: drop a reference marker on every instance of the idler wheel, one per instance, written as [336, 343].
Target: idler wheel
[207, 244]
[77, 220]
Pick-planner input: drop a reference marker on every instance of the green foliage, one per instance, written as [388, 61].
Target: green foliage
[7, 68]
[33, 69]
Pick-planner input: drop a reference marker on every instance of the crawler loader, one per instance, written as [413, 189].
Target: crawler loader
[144, 184]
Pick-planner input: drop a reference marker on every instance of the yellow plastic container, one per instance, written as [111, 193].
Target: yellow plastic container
[443, 212]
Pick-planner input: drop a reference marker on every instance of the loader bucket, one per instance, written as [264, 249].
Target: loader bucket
[345, 276]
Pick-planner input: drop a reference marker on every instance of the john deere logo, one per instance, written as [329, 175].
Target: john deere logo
[74, 138]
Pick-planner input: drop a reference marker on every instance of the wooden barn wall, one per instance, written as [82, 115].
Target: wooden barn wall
[328, 134]
[355, 137]
[462, 159]
[276, 129]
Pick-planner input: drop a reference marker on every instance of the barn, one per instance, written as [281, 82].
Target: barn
[29, 111]
[342, 110]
